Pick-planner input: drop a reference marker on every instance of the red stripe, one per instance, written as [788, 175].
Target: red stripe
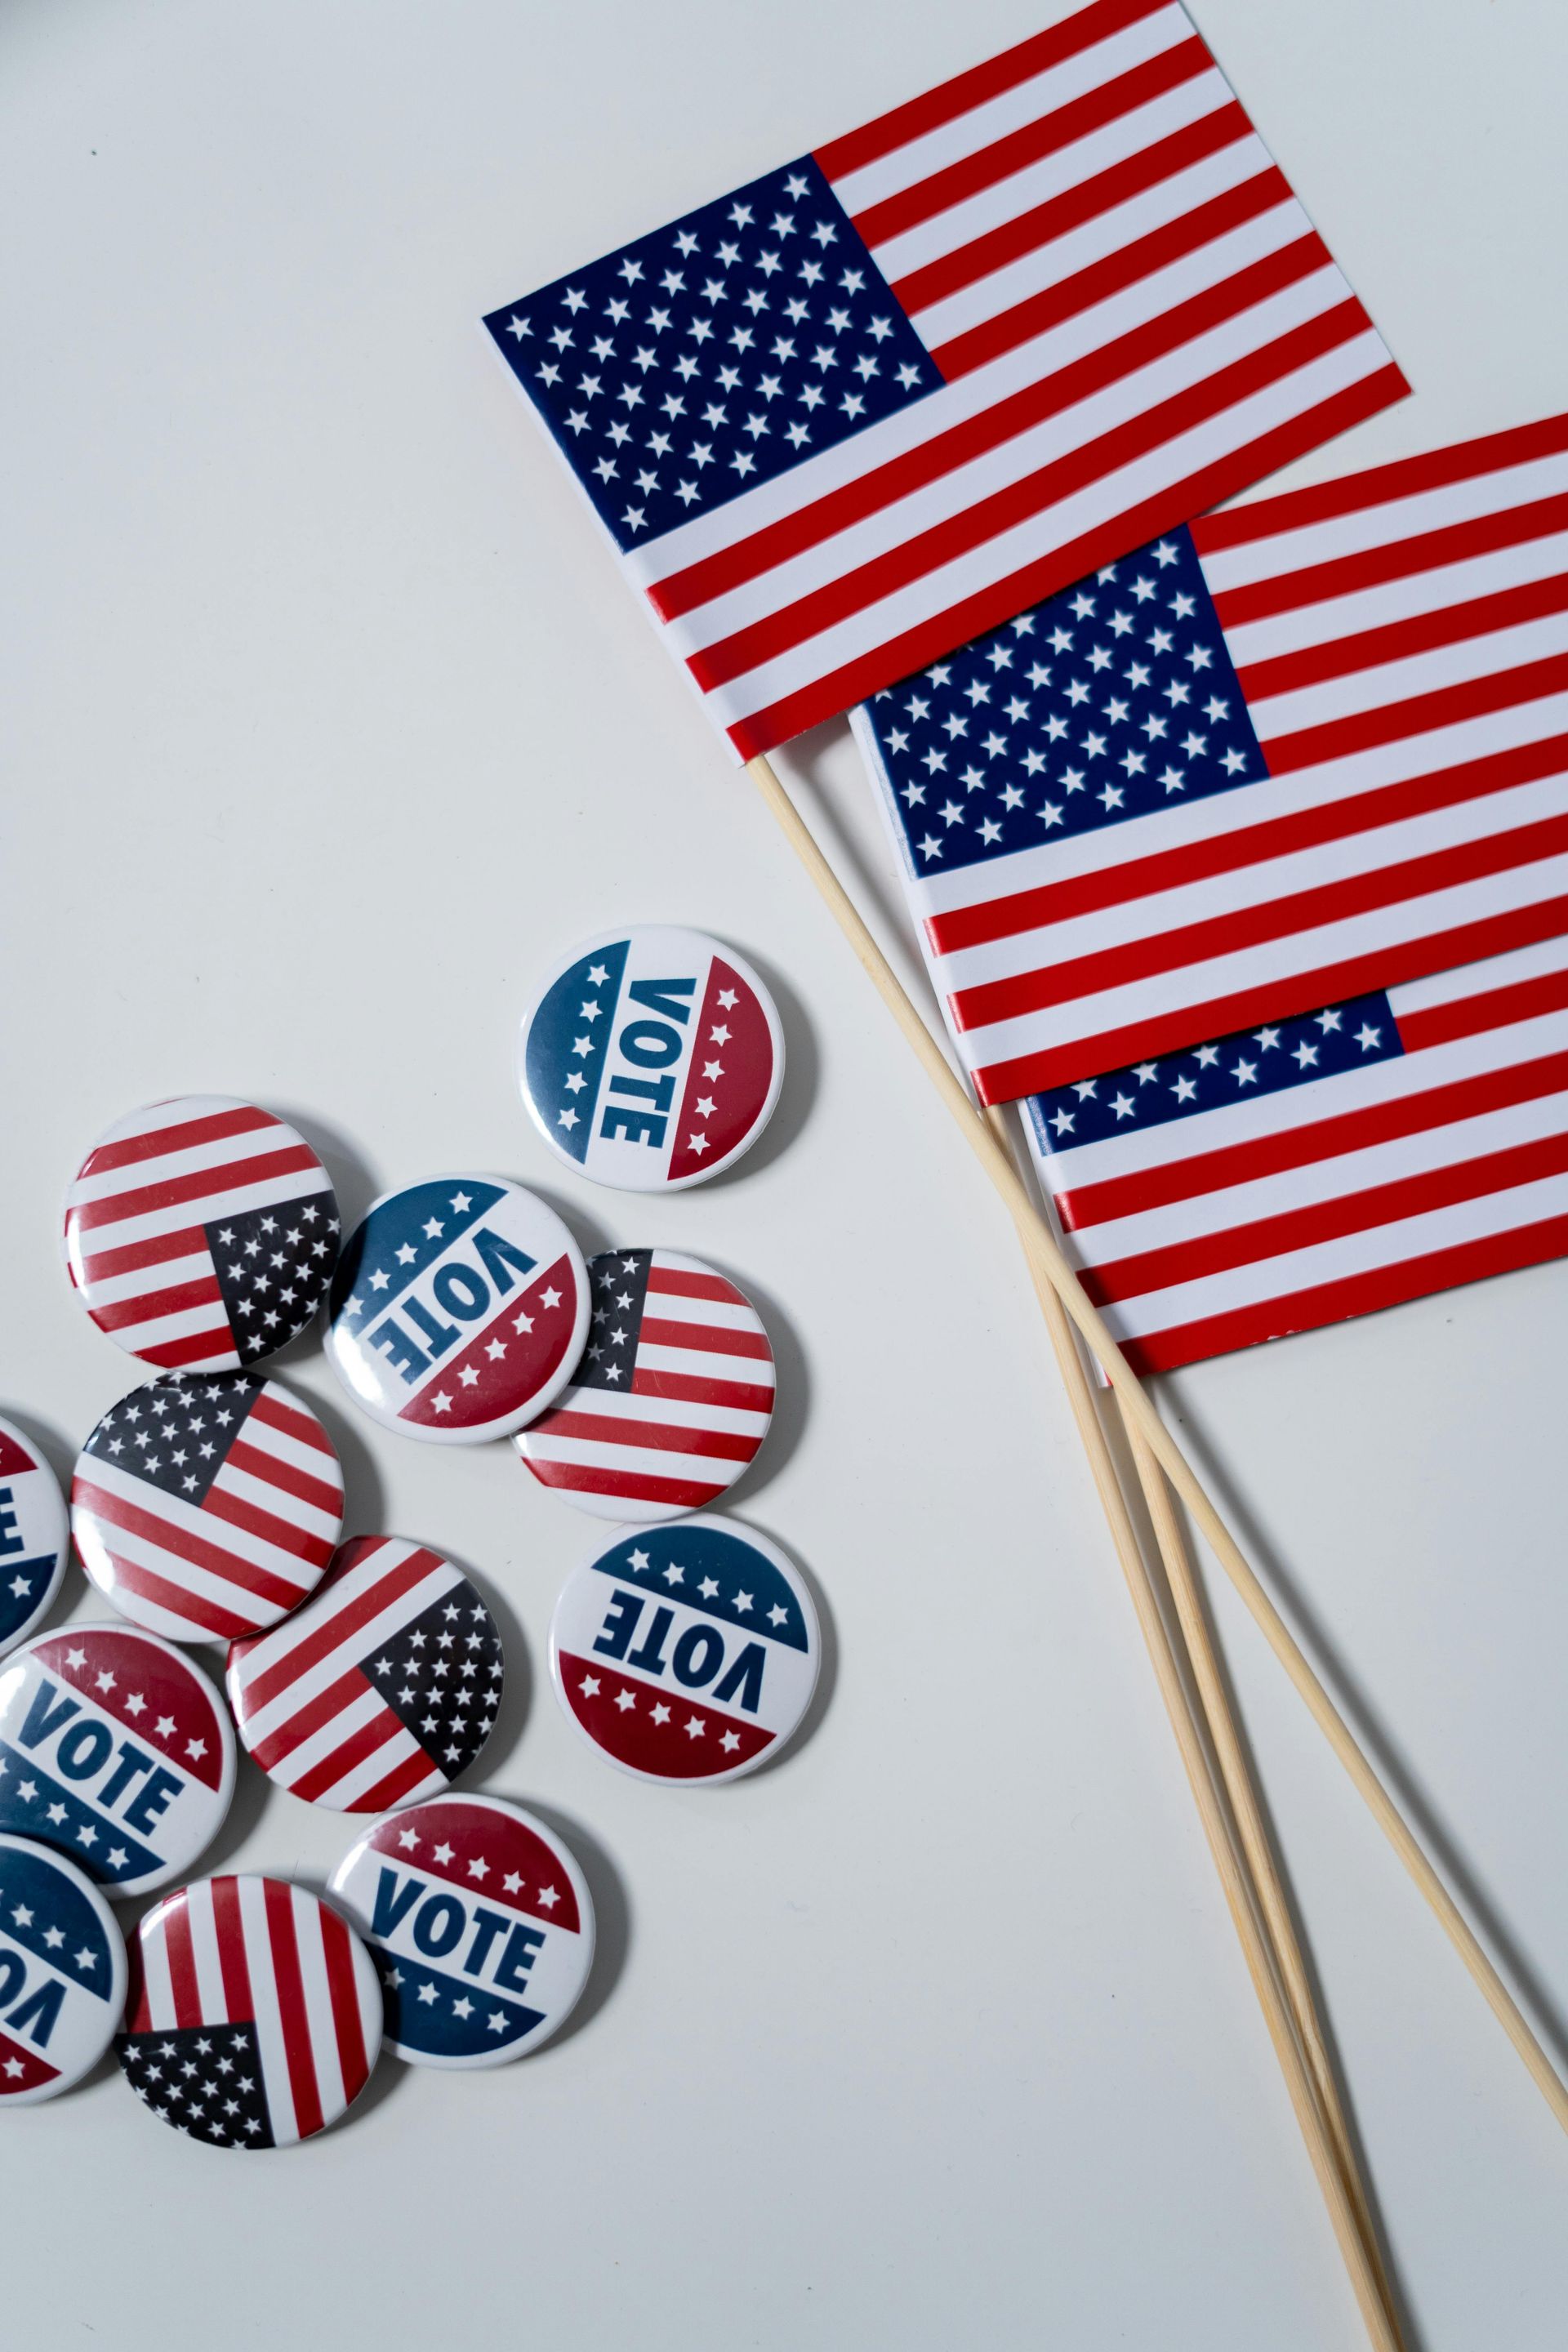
[275, 1411]
[180, 1950]
[1423, 632]
[712, 1338]
[1001, 421]
[967, 91]
[1047, 134]
[1142, 1188]
[1493, 1008]
[190, 1608]
[1399, 559]
[998, 600]
[138, 2006]
[379, 1732]
[641, 1486]
[1282, 836]
[134, 1257]
[1026, 232]
[119, 1511]
[686, 1387]
[661, 1436]
[185, 1135]
[154, 1305]
[400, 1782]
[283, 1951]
[1420, 714]
[342, 1990]
[1087, 1057]
[1405, 477]
[202, 1184]
[314, 1552]
[674, 1282]
[229, 1932]
[325, 1636]
[313, 1716]
[200, 1348]
[1360, 1294]
[1066, 979]
[1327, 1220]
[1100, 280]
[256, 1462]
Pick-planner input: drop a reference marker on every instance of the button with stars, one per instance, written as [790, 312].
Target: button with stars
[62, 1973]
[115, 1749]
[33, 1536]
[459, 1310]
[480, 1923]
[651, 1059]
[201, 1234]
[380, 1690]
[687, 1651]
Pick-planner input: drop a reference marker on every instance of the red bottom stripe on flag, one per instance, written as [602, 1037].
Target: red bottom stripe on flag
[653, 1730]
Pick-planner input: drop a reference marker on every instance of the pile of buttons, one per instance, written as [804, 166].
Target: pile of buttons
[203, 1235]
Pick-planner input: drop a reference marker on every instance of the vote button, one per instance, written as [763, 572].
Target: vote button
[33, 1536]
[62, 1973]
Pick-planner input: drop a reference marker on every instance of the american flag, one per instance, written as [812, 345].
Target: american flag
[201, 1233]
[1309, 748]
[253, 2016]
[114, 1749]
[481, 1924]
[380, 1690]
[1319, 1167]
[672, 1399]
[885, 396]
[63, 1966]
[208, 1508]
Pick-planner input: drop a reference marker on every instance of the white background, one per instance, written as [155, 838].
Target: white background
[326, 727]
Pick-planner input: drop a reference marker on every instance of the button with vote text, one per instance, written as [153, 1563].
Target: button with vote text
[62, 1973]
[33, 1536]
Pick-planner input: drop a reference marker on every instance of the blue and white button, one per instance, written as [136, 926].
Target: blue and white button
[62, 1974]
[459, 1310]
[651, 1059]
[33, 1536]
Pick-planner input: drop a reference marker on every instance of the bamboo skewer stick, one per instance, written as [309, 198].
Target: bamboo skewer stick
[1046, 1256]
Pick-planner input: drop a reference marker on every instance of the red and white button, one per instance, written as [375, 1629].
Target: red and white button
[33, 1537]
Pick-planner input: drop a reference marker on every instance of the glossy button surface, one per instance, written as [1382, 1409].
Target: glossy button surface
[115, 1749]
[253, 2016]
[62, 1973]
[686, 1652]
[201, 1233]
[205, 1507]
[481, 1924]
[459, 1310]
[33, 1536]
[651, 1059]
[671, 1400]
[380, 1690]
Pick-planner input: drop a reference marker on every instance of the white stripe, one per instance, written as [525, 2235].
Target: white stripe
[698, 1364]
[721, 1314]
[1383, 522]
[1479, 979]
[356, 1645]
[640, 1460]
[165, 1276]
[322, 2028]
[155, 1975]
[203, 1919]
[982, 126]
[261, 1495]
[267, 2018]
[299, 1452]
[1490, 654]
[1440, 590]
[161, 1331]
[675, 1413]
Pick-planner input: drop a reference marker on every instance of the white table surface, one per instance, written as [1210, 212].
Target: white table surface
[325, 726]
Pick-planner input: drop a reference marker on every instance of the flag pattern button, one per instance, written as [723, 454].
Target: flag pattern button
[671, 1400]
[381, 1690]
[459, 1310]
[62, 1973]
[254, 2015]
[115, 1749]
[687, 1651]
[33, 1536]
[205, 1508]
[479, 1922]
[201, 1234]
[651, 1059]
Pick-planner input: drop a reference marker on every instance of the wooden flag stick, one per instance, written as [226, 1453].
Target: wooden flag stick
[1217, 1716]
[1046, 1256]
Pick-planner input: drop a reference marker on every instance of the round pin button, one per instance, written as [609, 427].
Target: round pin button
[116, 1749]
[686, 1652]
[480, 1925]
[380, 1690]
[459, 1310]
[62, 1973]
[33, 1537]
[651, 1059]
[671, 1400]
[254, 2017]
[201, 1233]
[207, 1507]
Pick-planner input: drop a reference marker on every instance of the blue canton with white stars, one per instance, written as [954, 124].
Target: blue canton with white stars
[716, 353]
[1107, 702]
[1242, 1067]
